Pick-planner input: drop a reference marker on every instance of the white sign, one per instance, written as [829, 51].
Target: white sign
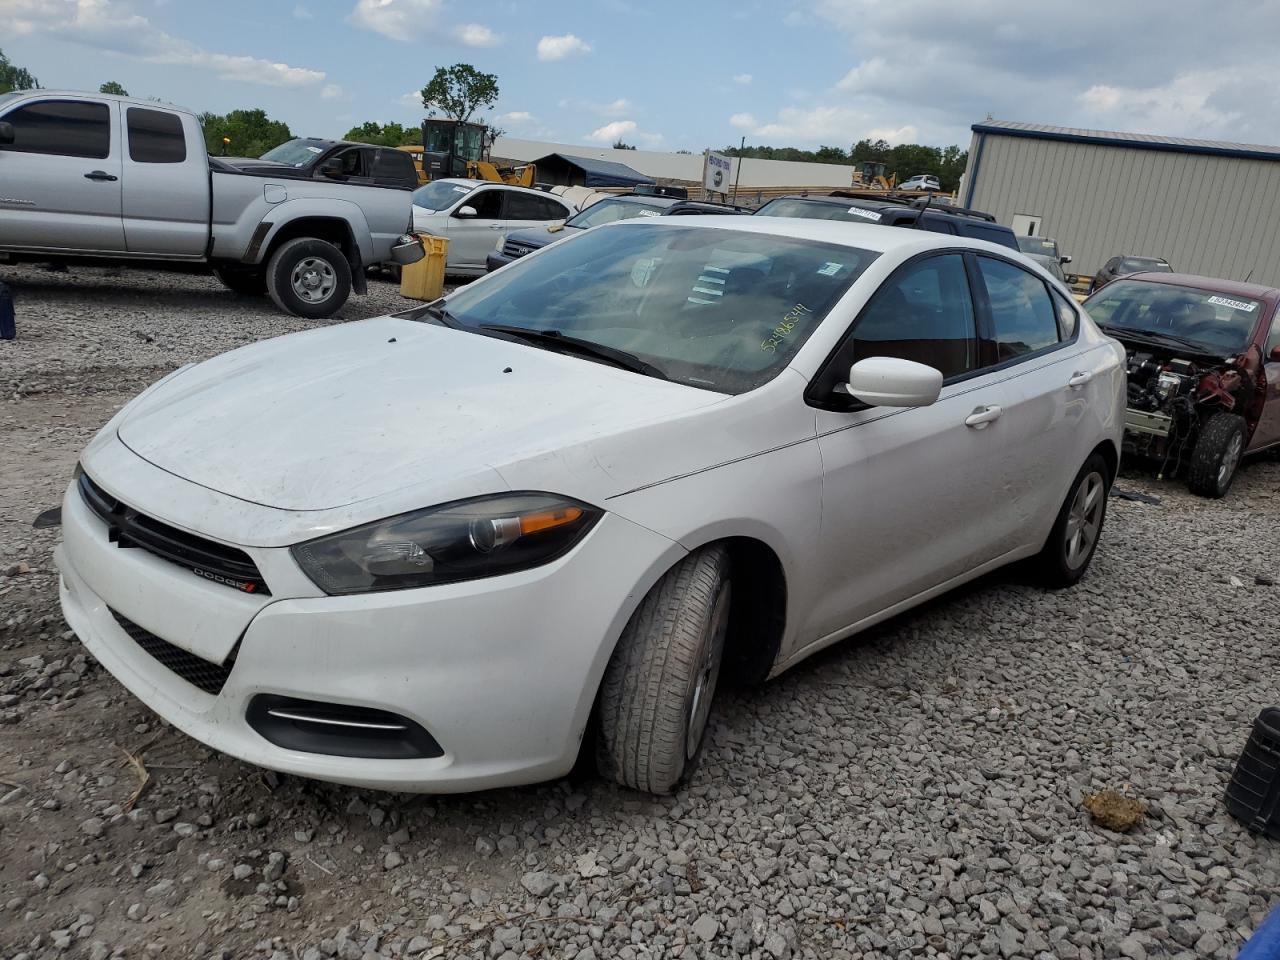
[717, 173]
[1233, 304]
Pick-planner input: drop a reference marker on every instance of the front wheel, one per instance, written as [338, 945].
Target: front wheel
[656, 697]
[1216, 455]
[1078, 528]
[309, 278]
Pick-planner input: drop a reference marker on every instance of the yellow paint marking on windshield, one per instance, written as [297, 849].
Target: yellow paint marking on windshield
[780, 333]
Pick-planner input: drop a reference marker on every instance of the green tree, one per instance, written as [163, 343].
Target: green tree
[619, 145]
[251, 133]
[831, 155]
[112, 87]
[459, 91]
[384, 134]
[13, 77]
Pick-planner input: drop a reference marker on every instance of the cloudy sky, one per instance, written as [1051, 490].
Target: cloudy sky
[673, 75]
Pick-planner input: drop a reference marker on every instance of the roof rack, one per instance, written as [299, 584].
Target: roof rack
[868, 195]
[922, 202]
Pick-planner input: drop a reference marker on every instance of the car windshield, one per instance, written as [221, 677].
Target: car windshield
[295, 153]
[1143, 265]
[722, 310]
[440, 194]
[1050, 264]
[1041, 246]
[816, 210]
[1214, 323]
[606, 211]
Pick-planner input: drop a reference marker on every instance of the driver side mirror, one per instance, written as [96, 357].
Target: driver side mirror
[1064, 260]
[894, 382]
[6, 132]
[466, 211]
[331, 168]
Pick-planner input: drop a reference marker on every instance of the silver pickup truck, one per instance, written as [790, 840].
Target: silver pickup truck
[98, 178]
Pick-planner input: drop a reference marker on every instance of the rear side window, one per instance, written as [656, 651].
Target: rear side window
[1024, 317]
[155, 136]
[1068, 318]
[991, 233]
[64, 128]
[923, 314]
[395, 166]
[526, 206]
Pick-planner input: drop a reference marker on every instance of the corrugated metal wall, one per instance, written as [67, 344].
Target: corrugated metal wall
[1215, 216]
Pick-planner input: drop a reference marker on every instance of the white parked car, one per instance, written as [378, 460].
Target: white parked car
[475, 214]
[920, 181]
[423, 552]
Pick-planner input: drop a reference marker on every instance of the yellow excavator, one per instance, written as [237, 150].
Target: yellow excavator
[871, 177]
[451, 148]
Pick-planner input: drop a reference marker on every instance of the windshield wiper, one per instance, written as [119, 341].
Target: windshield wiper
[439, 312]
[1161, 336]
[558, 341]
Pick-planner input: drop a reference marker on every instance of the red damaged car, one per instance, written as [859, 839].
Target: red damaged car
[1204, 371]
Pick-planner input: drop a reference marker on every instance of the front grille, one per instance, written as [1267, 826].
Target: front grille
[214, 561]
[197, 671]
[515, 250]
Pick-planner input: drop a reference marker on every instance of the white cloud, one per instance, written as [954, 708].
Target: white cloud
[1186, 104]
[332, 91]
[611, 132]
[301, 13]
[827, 124]
[557, 48]
[742, 78]
[397, 19]
[515, 116]
[743, 121]
[115, 28]
[411, 99]
[477, 35]
[895, 135]
[864, 74]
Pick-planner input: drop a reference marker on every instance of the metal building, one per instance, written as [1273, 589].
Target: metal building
[1207, 207]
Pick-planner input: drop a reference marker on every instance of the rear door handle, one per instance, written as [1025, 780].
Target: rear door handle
[1080, 378]
[100, 175]
[981, 416]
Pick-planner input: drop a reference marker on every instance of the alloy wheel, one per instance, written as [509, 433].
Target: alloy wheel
[1230, 459]
[704, 689]
[1084, 520]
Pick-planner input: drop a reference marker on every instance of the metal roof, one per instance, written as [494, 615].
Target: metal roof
[600, 173]
[1133, 141]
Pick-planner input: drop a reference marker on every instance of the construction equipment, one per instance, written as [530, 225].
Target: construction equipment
[451, 148]
[872, 177]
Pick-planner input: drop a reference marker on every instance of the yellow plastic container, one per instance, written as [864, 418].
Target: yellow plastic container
[424, 280]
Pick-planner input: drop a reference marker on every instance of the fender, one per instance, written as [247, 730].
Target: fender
[291, 211]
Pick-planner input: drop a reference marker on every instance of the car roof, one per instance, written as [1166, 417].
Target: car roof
[92, 95]
[643, 198]
[868, 236]
[473, 183]
[1236, 288]
[1140, 256]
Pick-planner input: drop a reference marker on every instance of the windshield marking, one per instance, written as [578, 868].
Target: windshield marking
[1233, 304]
[783, 329]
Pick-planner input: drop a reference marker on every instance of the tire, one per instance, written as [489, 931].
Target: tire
[1216, 456]
[664, 671]
[1078, 528]
[296, 265]
[247, 283]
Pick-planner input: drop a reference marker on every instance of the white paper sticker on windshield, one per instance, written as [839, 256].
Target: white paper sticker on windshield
[1233, 304]
[830, 269]
[648, 213]
[868, 214]
[461, 189]
[315, 149]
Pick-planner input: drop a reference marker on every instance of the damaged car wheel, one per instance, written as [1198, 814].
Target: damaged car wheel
[1217, 455]
[1076, 532]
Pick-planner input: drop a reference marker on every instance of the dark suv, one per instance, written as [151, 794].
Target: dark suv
[892, 212]
[1123, 266]
[623, 207]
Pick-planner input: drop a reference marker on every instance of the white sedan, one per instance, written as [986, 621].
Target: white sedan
[477, 214]
[425, 551]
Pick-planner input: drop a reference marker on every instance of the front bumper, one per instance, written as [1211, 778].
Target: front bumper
[501, 672]
[495, 260]
[1143, 423]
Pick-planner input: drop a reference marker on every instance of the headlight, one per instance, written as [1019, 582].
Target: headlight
[501, 240]
[465, 540]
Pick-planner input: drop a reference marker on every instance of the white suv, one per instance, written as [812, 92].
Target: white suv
[921, 182]
[474, 214]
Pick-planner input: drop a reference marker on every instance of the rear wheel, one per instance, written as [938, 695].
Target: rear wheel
[247, 283]
[1078, 528]
[309, 278]
[1217, 455]
[656, 698]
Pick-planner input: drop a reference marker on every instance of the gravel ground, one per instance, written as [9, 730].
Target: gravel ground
[916, 792]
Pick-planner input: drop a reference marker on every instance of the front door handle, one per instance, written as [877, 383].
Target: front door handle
[1080, 378]
[981, 416]
[100, 175]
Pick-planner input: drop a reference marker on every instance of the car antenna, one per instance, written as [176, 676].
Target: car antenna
[923, 211]
[1250, 274]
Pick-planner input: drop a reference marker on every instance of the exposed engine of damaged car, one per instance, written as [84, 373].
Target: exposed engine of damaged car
[1195, 365]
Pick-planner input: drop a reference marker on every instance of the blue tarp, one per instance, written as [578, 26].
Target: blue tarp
[601, 173]
[1265, 942]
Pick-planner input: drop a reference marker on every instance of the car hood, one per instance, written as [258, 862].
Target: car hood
[541, 236]
[350, 413]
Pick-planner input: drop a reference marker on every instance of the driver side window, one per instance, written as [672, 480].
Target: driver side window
[487, 203]
[924, 313]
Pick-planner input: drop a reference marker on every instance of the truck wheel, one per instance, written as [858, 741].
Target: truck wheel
[657, 692]
[309, 278]
[247, 283]
[1216, 455]
[1074, 538]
